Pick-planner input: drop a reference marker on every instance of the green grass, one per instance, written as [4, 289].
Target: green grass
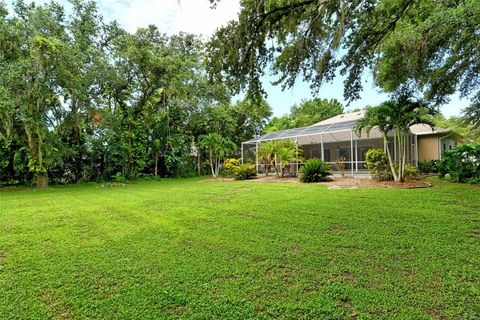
[238, 250]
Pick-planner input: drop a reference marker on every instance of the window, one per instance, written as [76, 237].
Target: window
[345, 154]
[362, 152]
[326, 154]
[362, 155]
[318, 154]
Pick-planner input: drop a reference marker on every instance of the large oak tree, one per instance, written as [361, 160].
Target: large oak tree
[430, 46]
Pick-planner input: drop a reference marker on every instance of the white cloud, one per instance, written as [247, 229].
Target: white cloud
[170, 16]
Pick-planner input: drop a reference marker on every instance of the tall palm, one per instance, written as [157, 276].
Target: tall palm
[218, 147]
[399, 114]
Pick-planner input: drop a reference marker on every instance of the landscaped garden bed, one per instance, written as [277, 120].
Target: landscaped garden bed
[340, 182]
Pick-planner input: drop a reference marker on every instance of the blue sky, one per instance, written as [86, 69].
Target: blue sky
[196, 16]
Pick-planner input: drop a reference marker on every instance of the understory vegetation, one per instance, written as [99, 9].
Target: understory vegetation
[185, 248]
[315, 170]
[85, 100]
[461, 164]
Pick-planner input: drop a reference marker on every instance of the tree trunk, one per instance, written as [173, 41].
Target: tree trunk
[130, 166]
[392, 167]
[400, 157]
[275, 165]
[212, 164]
[404, 156]
[156, 164]
[199, 162]
[42, 180]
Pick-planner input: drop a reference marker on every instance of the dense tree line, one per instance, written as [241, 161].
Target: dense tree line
[82, 100]
[306, 113]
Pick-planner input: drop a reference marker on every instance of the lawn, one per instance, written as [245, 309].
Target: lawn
[237, 250]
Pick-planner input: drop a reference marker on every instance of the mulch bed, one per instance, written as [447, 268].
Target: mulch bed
[340, 183]
[362, 183]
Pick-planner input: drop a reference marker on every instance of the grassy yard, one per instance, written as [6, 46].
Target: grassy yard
[237, 250]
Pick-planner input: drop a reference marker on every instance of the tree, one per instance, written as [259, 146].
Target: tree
[469, 132]
[277, 152]
[287, 153]
[28, 78]
[431, 46]
[396, 115]
[81, 100]
[218, 148]
[307, 113]
[266, 155]
[79, 75]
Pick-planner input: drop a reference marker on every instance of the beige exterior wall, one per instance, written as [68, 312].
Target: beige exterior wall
[428, 148]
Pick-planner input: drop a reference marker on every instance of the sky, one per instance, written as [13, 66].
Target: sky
[197, 16]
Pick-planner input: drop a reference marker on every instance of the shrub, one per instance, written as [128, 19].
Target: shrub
[340, 164]
[119, 177]
[230, 166]
[410, 172]
[315, 170]
[244, 172]
[461, 163]
[377, 164]
[428, 166]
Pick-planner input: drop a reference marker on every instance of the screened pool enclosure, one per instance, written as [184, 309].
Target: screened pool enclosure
[333, 141]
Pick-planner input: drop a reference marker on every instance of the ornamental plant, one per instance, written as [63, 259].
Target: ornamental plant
[315, 170]
[378, 165]
[230, 166]
[244, 171]
[461, 163]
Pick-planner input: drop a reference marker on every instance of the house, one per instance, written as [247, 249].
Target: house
[335, 139]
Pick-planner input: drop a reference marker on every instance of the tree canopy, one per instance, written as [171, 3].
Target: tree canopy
[82, 100]
[429, 46]
[307, 113]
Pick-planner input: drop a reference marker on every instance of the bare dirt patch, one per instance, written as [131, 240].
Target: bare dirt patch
[58, 310]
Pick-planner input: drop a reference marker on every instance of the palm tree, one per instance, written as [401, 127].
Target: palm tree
[265, 155]
[268, 151]
[288, 153]
[279, 153]
[399, 114]
[218, 147]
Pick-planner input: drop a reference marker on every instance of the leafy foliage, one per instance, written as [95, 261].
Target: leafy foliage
[461, 125]
[411, 172]
[340, 165]
[461, 163]
[244, 171]
[396, 115]
[435, 54]
[218, 148]
[315, 170]
[81, 100]
[230, 166]
[308, 112]
[377, 164]
[428, 166]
